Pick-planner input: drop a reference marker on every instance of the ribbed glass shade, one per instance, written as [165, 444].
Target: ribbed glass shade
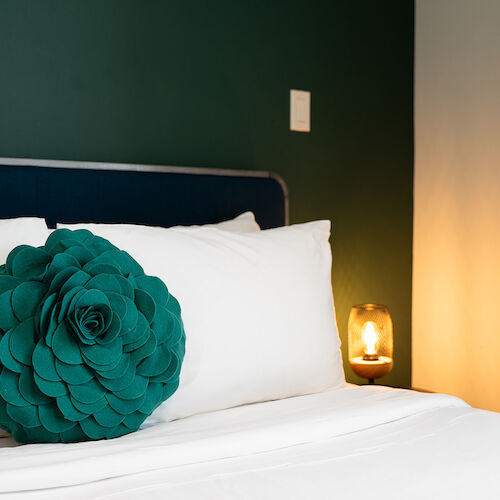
[370, 340]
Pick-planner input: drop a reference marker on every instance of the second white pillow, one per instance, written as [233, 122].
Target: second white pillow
[257, 309]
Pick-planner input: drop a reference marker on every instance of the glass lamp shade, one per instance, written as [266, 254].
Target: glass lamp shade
[370, 341]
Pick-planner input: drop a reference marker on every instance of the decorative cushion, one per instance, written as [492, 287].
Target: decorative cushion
[90, 345]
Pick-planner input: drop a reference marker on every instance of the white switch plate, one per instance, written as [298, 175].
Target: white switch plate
[300, 110]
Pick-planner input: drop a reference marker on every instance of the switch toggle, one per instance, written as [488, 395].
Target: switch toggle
[300, 110]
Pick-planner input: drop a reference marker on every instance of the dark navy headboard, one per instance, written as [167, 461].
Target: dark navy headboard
[67, 191]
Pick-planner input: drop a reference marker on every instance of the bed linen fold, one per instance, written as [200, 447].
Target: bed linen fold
[235, 432]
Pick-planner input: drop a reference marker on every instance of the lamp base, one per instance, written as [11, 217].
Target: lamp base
[371, 369]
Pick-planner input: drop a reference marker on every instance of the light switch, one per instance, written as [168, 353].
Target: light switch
[300, 110]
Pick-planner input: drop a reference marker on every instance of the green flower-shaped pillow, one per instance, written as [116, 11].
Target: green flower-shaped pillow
[90, 345]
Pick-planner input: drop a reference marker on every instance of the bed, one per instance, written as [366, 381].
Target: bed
[348, 441]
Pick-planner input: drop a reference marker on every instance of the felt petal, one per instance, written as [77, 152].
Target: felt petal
[135, 420]
[107, 417]
[8, 282]
[55, 237]
[44, 362]
[80, 253]
[37, 435]
[118, 431]
[68, 409]
[169, 388]
[156, 363]
[117, 384]
[88, 393]
[152, 399]
[141, 331]
[27, 416]
[4, 417]
[123, 261]
[73, 435]
[117, 303]
[6, 357]
[102, 368]
[26, 298]
[163, 324]
[73, 297]
[90, 407]
[104, 283]
[9, 388]
[124, 406]
[73, 374]
[29, 389]
[139, 341]
[22, 341]
[145, 304]
[53, 420]
[60, 263]
[154, 287]
[30, 262]
[7, 318]
[47, 322]
[112, 332]
[127, 290]
[95, 268]
[12, 256]
[52, 389]
[65, 346]
[171, 370]
[91, 298]
[17, 431]
[105, 354]
[146, 350]
[56, 277]
[77, 280]
[118, 371]
[135, 389]
[67, 301]
[173, 305]
[177, 331]
[93, 430]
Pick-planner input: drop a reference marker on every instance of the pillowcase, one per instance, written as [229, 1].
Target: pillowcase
[21, 231]
[244, 223]
[257, 309]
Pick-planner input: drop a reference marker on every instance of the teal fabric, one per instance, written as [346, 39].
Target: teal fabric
[90, 345]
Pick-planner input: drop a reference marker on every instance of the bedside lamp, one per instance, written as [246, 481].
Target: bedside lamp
[370, 341]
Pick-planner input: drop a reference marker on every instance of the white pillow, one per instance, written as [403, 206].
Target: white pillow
[257, 309]
[244, 223]
[21, 231]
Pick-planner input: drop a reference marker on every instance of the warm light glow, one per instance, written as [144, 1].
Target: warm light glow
[370, 336]
[370, 340]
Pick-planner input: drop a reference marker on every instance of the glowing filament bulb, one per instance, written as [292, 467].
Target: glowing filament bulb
[369, 336]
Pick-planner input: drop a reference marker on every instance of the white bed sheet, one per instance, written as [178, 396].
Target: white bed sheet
[357, 442]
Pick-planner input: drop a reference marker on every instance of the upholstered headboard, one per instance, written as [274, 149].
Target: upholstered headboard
[71, 191]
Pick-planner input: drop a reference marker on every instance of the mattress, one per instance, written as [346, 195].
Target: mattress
[357, 442]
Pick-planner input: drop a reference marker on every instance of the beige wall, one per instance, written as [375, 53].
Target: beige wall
[456, 274]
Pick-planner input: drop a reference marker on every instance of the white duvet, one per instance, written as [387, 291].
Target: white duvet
[357, 442]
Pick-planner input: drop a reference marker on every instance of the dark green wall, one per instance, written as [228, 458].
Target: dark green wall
[207, 84]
